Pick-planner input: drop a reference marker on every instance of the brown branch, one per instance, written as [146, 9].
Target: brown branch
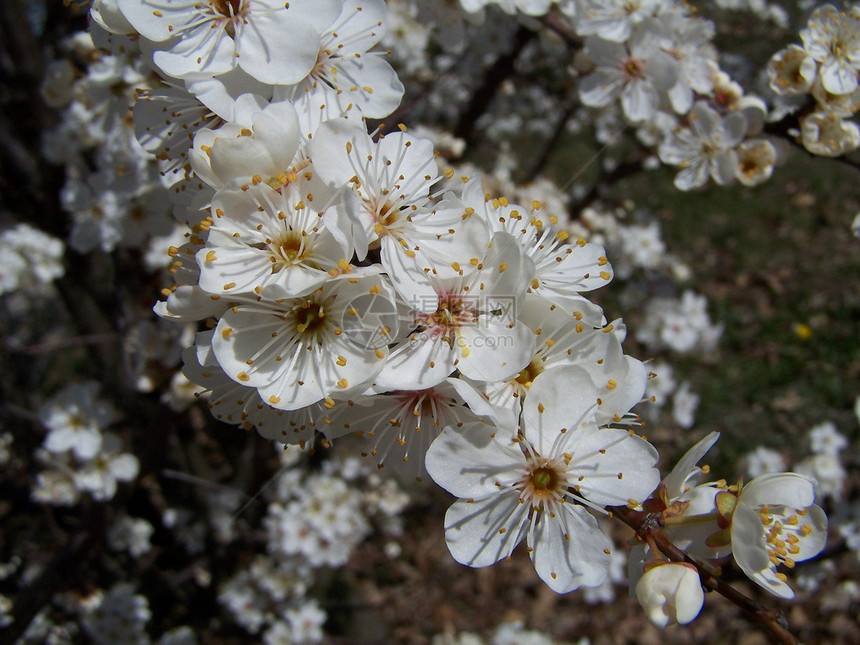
[50, 347]
[551, 143]
[61, 572]
[773, 622]
[416, 98]
[495, 76]
[555, 23]
[781, 129]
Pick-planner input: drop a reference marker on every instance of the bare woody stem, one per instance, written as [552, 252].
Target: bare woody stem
[774, 623]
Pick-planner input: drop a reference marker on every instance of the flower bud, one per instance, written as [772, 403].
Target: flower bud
[670, 593]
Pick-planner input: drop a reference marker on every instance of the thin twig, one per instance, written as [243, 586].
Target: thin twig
[773, 622]
[555, 23]
[64, 343]
[551, 143]
[501, 70]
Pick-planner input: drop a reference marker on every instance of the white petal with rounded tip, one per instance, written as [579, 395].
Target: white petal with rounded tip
[675, 481]
[278, 48]
[206, 52]
[671, 593]
[814, 543]
[563, 397]
[838, 78]
[750, 552]
[599, 89]
[482, 532]
[778, 489]
[124, 467]
[493, 351]
[569, 550]
[417, 364]
[468, 461]
[612, 466]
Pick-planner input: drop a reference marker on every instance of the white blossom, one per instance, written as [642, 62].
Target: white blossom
[705, 148]
[832, 38]
[28, 255]
[100, 476]
[119, 615]
[824, 438]
[537, 486]
[792, 71]
[684, 404]
[671, 593]
[274, 42]
[75, 417]
[761, 461]
[829, 135]
[775, 522]
[638, 71]
[130, 534]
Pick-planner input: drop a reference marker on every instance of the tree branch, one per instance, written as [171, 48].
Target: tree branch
[500, 70]
[773, 622]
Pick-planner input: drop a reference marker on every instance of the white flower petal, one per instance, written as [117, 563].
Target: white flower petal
[560, 399]
[482, 532]
[671, 593]
[675, 482]
[279, 48]
[468, 461]
[778, 489]
[569, 550]
[492, 351]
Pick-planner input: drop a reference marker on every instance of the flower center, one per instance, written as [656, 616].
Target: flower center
[289, 251]
[309, 318]
[452, 312]
[320, 71]
[545, 483]
[230, 9]
[529, 374]
[749, 166]
[543, 480]
[784, 532]
[634, 68]
[227, 8]
[387, 216]
[838, 49]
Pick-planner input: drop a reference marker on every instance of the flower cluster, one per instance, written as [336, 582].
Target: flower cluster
[78, 456]
[349, 287]
[364, 289]
[826, 68]
[311, 523]
[28, 255]
[767, 523]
